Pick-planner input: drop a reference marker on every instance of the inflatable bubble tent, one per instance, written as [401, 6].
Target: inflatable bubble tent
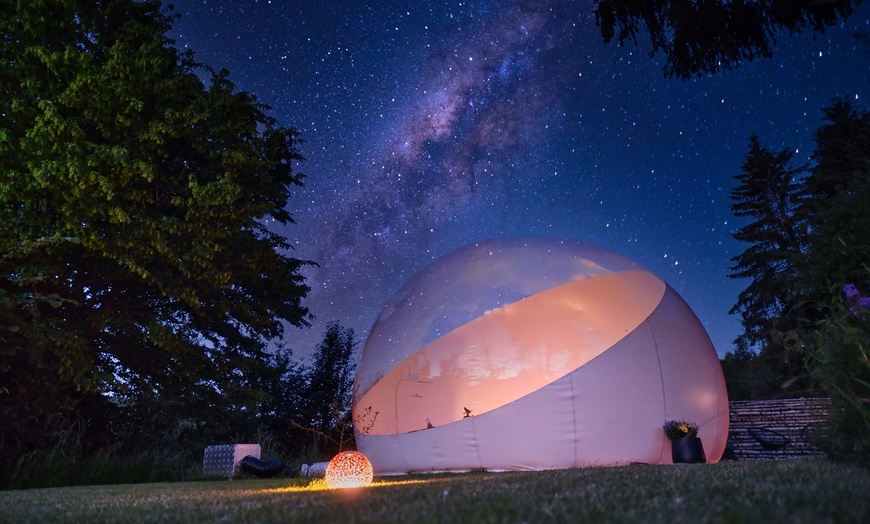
[534, 354]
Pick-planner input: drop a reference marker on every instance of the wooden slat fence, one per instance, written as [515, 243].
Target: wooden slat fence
[800, 420]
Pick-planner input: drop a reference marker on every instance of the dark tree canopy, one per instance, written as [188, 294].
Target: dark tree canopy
[808, 273]
[711, 35]
[836, 203]
[330, 378]
[309, 411]
[834, 277]
[138, 216]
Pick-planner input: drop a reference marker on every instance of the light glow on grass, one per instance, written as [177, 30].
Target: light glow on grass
[349, 469]
[320, 485]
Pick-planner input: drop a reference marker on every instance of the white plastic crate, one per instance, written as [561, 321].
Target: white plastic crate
[223, 460]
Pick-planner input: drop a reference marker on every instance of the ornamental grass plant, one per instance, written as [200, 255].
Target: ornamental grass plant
[675, 429]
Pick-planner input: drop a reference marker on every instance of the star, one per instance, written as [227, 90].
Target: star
[432, 126]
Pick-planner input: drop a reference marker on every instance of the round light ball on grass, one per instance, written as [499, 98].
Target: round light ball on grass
[349, 469]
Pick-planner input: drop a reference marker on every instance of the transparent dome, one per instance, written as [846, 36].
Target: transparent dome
[503, 323]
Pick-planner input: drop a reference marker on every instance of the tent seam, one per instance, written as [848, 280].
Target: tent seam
[574, 414]
[661, 379]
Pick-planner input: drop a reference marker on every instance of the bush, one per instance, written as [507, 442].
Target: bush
[837, 353]
[54, 467]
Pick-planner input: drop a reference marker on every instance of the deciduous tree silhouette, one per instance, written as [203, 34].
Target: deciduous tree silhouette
[138, 216]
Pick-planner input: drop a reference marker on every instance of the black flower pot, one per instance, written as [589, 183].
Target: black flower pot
[688, 450]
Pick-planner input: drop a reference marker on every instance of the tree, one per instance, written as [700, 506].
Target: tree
[837, 353]
[750, 375]
[834, 277]
[809, 271]
[139, 210]
[329, 386]
[768, 195]
[286, 387]
[708, 36]
[835, 205]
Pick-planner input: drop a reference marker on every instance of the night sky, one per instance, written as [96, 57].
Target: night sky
[428, 125]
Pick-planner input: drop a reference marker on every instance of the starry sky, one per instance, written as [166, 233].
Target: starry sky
[430, 124]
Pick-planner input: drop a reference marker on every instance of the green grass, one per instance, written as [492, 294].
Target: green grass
[807, 490]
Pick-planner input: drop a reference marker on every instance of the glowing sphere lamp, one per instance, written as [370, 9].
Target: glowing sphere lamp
[534, 353]
[349, 469]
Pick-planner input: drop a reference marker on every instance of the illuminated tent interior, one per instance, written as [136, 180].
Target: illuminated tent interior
[534, 354]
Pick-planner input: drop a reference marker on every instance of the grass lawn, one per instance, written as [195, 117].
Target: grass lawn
[806, 490]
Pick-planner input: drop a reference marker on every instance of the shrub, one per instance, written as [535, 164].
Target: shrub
[837, 353]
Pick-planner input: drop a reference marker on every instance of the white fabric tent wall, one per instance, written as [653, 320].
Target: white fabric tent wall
[606, 406]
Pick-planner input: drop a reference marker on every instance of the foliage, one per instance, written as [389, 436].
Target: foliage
[837, 350]
[139, 209]
[327, 392]
[309, 407]
[675, 429]
[772, 373]
[751, 376]
[706, 37]
[286, 390]
[768, 195]
[821, 332]
[837, 191]
[330, 377]
[835, 277]
[802, 490]
[48, 468]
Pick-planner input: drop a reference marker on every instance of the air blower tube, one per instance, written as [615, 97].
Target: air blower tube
[262, 469]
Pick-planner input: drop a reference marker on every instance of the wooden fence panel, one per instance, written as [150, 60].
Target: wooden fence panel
[788, 417]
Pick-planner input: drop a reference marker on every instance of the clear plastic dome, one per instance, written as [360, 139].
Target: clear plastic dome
[498, 326]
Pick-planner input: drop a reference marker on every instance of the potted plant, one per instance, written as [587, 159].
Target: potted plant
[686, 447]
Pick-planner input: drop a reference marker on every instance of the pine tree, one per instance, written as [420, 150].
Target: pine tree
[836, 204]
[330, 377]
[834, 278]
[328, 388]
[769, 196]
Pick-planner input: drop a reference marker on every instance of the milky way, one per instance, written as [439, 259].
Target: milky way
[438, 124]
[449, 154]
